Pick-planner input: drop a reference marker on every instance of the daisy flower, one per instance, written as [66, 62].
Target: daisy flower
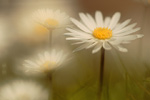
[49, 19]
[41, 23]
[45, 64]
[22, 90]
[98, 32]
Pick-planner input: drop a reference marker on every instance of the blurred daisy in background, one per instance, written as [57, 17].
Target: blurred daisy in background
[38, 26]
[45, 64]
[23, 90]
[50, 19]
[99, 32]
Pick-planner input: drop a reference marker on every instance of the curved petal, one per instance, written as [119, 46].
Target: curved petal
[92, 20]
[32, 64]
[73, 38]
[120, 48]
[122, 25]
[115, 42]
[80, 25]
[114, 20]
[99, 19]
[128, 32]
[97, 47]
[91, 45]
[125, 29]
[80, 33]
[106, 46]
[107, 21]
[86, 21]
[130, 37]
[81, 47]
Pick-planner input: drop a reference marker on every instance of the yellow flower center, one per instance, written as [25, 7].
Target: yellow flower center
[48, 65]
[40, 29]
[51, 22]
[102, 33]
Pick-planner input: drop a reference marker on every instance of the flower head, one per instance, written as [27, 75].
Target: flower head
[45, 64]
[100, 33]
[22, 90]
[50, 19]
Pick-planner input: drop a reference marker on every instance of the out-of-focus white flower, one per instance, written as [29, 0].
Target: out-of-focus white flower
[45, 64]
[100, 33]
[50, 19]
[23, 90]
[37, 26]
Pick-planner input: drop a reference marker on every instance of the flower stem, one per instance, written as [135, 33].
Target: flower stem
[101, 71]
[49, 44]
[50, 39]
[50, 86]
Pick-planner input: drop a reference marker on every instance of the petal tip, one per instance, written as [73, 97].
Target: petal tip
[140, 36]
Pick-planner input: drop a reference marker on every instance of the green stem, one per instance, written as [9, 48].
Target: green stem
[101, 71]
[50, 39]
[49, 76]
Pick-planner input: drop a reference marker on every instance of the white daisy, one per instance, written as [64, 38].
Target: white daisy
[22, 90]
[37, 27]
[100, 33]
[46, 63]
[50, 19]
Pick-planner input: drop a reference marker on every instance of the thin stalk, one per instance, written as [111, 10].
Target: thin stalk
[49, 75]
[50, 38]
[101, 71]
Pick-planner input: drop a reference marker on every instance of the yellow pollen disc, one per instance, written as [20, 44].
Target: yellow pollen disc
[102, 33]
[48, 65]
[51, 22]
[40, 29]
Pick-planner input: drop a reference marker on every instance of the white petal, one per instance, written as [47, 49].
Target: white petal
[41, 57]
[97, 47]
[80, 33]
[80, 25]
[140, 35]
[92, 20]
[47, 55]
[106, 46]
[126, 42]
[120, 48]
[130, 37]
[57, 14]
[31, 63]
[81, 47]
[129, 32]
[114, 20]
[107, 21]
[78, 43]
[86, 21]
[70, 34]
[116, 42]
[73, 38]
[122, 25]
[99, 19]
[125, 29]
[92, 45]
